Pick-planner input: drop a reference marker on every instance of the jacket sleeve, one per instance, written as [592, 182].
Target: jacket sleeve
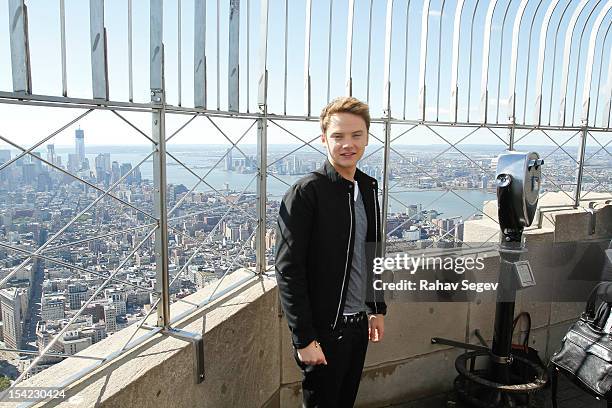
[293, 236]
[378, 306]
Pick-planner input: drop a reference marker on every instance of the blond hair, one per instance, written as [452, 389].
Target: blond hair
[344, 104]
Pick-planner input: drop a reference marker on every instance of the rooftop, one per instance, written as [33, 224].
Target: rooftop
[145, 147]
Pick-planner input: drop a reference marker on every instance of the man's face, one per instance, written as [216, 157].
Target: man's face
[346, 138]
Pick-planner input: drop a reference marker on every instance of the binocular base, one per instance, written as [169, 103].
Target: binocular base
[475, 388]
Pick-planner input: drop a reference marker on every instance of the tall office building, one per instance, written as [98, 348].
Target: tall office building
[5, 155]
[74, 164]
[51, 153]
[229, 164]
[37, 162]
[77, 293]
[103, 167]
[12, 315]
[52, 307]
[126, 168]
[115, 171]
[110, 318]
[79, 145]
[103, 162]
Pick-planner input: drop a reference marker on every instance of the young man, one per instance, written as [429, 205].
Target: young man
[328, 234]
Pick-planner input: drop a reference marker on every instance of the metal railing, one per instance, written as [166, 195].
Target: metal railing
[505, 32]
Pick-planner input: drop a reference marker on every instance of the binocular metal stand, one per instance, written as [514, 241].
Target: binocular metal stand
[505, 380]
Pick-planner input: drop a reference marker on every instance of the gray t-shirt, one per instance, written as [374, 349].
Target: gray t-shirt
[356, 294]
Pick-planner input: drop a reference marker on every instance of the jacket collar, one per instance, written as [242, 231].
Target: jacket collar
[330, 172]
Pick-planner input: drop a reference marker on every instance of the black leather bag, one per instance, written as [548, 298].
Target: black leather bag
[585, 356]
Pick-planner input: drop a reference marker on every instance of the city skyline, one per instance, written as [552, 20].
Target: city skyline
[88, 230]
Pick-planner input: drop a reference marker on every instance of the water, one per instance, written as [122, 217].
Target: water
[461, 203]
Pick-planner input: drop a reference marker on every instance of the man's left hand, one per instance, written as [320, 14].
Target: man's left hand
[376, 329]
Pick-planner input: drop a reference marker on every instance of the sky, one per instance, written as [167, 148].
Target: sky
[28, 124]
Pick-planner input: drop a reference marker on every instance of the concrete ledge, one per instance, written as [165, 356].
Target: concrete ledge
[161, 371]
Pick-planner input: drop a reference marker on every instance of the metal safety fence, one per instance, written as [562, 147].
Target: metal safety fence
[229, 91]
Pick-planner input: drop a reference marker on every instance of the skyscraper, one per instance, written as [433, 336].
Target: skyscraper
[5, 155]
[229, 164]
[74, 164]
[79, 145]
[12, 315]
[51, 153]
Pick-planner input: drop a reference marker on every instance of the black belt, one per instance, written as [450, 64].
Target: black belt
[354, 318]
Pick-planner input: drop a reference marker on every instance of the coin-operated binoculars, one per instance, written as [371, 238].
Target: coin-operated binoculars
[518, 177]
[518, 186]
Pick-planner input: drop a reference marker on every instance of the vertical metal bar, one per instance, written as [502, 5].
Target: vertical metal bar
[130, 68]
[162, 283]
[158, 98]
[601, 61]
[439, 58]
[542, 59]
[20, 49]
[501, 49]
[578, 59]
[567, 53]
[218, 56]
[580, 167]
[63, 46]
[156, 44]
[387, 117]
[486, 52]
[248, 55]
[233, 66]
[329, 45]
[387, 67]
[99, 71]
[285, 57]
[529, 60]
[608, 105]
[385, 197]
[307, 58]
[262, 142]
[469, 88]
[454, 102]
[179, 62]
[369, 52]
[513, 61]
[349, 48]
[586, 93]
[552, 79]
[199, 54]
[262, 94]
[423, 58]
[406, 57]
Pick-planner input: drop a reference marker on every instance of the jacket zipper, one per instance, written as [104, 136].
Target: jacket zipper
[375, 241]
[348, 247]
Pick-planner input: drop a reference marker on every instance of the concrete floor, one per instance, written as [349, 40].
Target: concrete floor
[569, 396]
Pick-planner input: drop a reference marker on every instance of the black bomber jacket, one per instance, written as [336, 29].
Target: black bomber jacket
[314, 249]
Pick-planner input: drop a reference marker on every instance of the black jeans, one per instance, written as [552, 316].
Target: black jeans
[335, 384]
